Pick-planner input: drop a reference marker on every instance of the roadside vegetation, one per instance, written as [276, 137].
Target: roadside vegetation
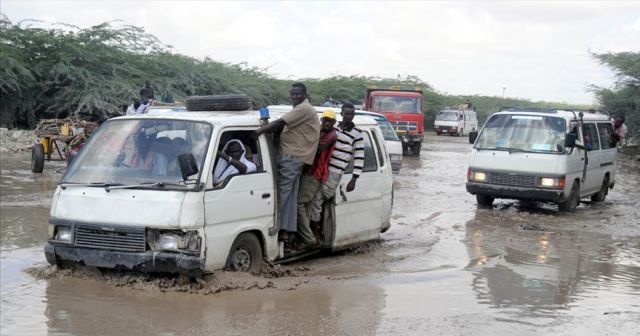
[96, 72]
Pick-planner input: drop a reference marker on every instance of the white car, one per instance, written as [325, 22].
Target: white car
[141, 196]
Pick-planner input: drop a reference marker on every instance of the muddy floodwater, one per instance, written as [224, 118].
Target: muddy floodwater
[445, 267]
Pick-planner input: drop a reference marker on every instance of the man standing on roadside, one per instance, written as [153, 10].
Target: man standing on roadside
[349, 147]
[298, 143]
[619, 130]
[315, 175]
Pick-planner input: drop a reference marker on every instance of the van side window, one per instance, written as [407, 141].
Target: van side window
[606, 138]
[591, 141]
[370, 163]
[248, 151]
[378, 147]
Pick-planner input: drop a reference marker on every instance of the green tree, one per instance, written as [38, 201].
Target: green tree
[624, 98]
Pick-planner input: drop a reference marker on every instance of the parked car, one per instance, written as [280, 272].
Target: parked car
[554, 156]
[114, 209]
[393, 143]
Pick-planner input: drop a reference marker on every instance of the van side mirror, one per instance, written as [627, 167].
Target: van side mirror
[570, 140]
[472, 137]
[188, 165]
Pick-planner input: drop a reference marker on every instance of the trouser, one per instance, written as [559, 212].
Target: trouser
[289, 170]
[326, 191]
[309, 186]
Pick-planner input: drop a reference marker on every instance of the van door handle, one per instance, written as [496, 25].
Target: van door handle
[266, 195]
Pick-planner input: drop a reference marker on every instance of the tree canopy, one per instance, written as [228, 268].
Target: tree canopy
[624, 98]
[96, 72]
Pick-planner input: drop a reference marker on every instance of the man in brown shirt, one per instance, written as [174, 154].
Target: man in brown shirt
[299, 129]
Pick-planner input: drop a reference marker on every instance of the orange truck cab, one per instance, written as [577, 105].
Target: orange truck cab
[403, 108]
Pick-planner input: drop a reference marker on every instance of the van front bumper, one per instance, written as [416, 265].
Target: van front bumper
[501, 191]
[147, 262]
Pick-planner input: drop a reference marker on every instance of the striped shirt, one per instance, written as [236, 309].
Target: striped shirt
[349, 146]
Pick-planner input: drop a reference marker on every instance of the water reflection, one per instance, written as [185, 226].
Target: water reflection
[79, 306]
[549, 271]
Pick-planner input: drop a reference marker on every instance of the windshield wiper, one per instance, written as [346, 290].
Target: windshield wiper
[512, 150]
[144, 184]
[93, 184]
[508, 149]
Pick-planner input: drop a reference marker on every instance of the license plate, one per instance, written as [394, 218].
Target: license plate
[444, 131]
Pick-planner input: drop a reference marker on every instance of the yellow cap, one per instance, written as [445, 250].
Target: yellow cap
[329, 114]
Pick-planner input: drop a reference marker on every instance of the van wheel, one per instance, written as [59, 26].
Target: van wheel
[438, 133]
[245, 254]
[572, 201]
[484, 201]
[604, 190]
[37, 158]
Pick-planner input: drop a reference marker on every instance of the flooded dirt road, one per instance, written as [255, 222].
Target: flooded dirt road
[444, 268]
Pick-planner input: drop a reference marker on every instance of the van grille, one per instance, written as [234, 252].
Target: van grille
[110, 238]
[513, 180]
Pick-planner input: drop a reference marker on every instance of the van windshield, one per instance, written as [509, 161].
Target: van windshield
[397, 104]
[387, 131]
[139, 151]
[447, 116]
[523, 133]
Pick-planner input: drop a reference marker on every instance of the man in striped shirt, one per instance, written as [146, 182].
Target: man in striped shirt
[349, 147]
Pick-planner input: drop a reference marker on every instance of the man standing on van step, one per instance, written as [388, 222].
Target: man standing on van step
[315, 175]
[298, 143]
[349, 146]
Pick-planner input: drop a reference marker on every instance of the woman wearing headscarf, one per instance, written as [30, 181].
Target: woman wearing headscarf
[232, 161]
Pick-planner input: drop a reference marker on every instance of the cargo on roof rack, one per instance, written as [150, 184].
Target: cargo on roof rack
[228, 102]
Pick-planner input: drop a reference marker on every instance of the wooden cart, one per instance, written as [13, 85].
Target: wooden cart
[46, 147]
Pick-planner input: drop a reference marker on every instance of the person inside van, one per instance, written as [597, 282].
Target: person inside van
[151, 154]
[180, 146]
[232, 161]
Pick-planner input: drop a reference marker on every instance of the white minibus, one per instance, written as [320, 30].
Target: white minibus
[543, 155]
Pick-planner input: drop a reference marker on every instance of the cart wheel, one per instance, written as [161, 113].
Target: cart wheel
[37, 158]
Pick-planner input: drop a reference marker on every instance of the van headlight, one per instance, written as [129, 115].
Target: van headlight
[551, 182]
[62, 234]
[173, 240]
[476, 176]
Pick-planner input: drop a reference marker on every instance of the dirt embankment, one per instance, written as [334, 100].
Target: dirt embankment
[15, 140]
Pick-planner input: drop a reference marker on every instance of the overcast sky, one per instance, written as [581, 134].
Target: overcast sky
[536, 50]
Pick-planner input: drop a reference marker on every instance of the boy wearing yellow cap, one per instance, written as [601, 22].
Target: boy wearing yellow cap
[315, 175]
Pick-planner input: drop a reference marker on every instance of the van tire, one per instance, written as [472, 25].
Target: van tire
[37, 158]
[484, 201]
[245, 254]
[228, 102]
[604, 190]
[571, 203]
